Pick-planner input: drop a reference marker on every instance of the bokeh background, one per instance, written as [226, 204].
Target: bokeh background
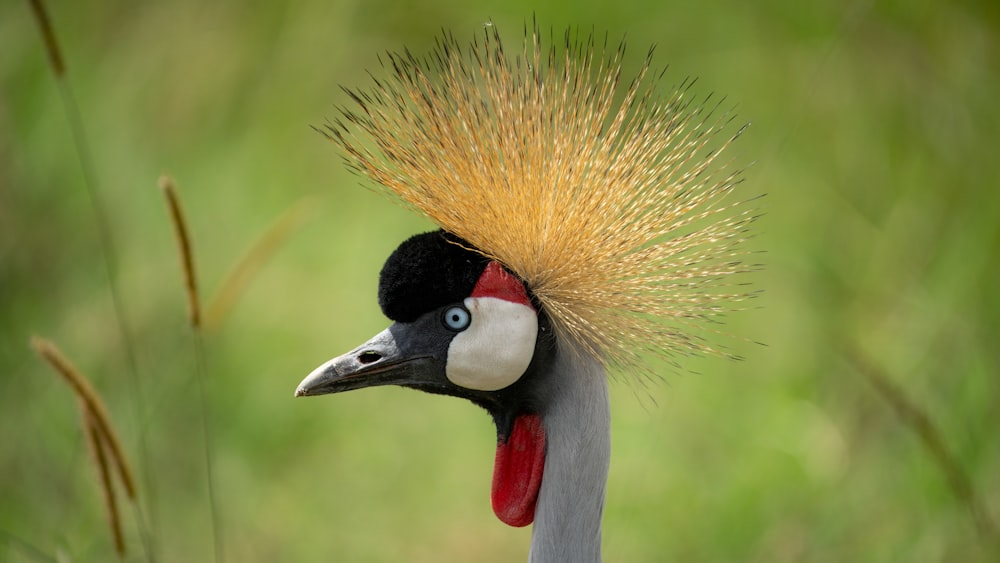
[874, 135]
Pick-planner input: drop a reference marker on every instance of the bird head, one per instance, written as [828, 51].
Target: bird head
[463, 326]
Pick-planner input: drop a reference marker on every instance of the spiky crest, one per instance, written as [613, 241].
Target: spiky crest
[608, 201]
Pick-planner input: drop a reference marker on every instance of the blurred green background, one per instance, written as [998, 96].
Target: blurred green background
[875, 131]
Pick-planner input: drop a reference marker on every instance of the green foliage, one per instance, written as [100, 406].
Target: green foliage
[874, 135]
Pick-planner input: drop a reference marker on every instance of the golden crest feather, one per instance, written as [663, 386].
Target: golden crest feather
[608, 201]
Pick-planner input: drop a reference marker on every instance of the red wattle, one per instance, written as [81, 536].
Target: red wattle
[517, 471]
[499, 283]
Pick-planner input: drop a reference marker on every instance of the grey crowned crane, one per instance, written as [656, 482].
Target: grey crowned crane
[585, 226]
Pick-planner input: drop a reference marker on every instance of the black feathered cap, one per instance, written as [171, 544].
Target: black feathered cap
[428, 271]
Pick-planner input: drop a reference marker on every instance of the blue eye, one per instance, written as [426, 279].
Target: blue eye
[456, 318]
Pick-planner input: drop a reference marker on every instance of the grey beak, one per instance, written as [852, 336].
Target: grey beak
[376, 362]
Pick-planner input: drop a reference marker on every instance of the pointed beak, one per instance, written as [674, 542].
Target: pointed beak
[380, 361]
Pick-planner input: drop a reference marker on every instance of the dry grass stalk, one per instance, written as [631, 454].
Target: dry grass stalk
[933, 441]
[93, 404]
[101, 437]
[166, 184]
[97, 448]
[49, 38]
[253, 259]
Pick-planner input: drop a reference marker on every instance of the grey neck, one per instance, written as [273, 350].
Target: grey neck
[577, 425]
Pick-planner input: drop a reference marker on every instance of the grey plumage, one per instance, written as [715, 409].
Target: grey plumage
[578, 425]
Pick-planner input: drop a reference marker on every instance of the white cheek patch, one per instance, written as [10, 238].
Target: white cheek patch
[496, 349]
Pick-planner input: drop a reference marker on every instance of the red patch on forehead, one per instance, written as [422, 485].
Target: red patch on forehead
[497, 282]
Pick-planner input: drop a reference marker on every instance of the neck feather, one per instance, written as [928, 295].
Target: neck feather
[578, 436]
